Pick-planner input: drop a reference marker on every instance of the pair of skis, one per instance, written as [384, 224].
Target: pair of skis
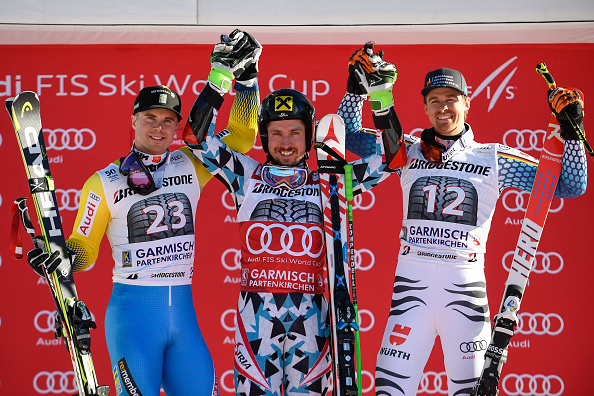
[336, 185]
[505, 322]
[73, 320]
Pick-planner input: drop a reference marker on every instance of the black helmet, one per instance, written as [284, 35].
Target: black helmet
[286, 104]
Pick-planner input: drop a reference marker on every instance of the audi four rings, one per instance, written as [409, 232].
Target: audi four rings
[525, 139]
[544, 263]
[269, 242]
[474, 346]
[533, 385]
[540, 323]
[516, 201]
[56, 382]
[68, 199]
[69, 139]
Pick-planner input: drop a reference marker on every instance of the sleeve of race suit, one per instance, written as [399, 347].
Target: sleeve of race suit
[517, 169]
[359, 141]
[241, 128]
[370, 171]
[85, 240]
[242, 121]
[233, 169]
[363, 142]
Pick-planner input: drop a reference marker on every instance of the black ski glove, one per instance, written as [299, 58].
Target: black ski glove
[37, 257]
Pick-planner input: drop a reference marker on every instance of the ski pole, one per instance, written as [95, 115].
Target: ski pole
[348, 181]
[541, 68]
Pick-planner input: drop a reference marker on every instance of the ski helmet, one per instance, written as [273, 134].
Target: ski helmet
[286, 104]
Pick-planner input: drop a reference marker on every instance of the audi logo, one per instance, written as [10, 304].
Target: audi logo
[359, 259]
[473, 346]
[225, 198]
[532, 385]
[45, 321]
[544, 263]
[525, 139]
[515, 201]
[231, 259]
[225, 320]
[70, 139]
[432, 382]
[68, 199]
[55, 382]
[368, 313]
[540, 323]
[364, 201]
[270, 241]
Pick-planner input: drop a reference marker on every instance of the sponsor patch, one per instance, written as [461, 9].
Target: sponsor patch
[127, 382]
[91, 207]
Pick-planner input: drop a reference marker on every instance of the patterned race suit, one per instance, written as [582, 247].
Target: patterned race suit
[281, 338]
[439, 287]
[150, 324]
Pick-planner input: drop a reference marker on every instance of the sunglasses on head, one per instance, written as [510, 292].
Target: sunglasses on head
[284, 176]
[139, 177]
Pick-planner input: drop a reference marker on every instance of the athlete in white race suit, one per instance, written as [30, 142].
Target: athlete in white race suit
[146, 203]
[281, 341]
[450, 186]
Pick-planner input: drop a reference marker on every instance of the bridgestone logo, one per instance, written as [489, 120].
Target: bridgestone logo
[439, 256]
[169, 275]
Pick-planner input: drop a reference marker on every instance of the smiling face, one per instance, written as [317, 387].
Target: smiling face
[447, 110]
[154, 130]
[286, 141]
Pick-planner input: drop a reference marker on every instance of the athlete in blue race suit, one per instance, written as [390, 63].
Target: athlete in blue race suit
[146, 205]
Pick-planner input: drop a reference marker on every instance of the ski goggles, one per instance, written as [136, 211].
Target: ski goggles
[284, 176]
[139, 177]
[437, 153]
[432, 153]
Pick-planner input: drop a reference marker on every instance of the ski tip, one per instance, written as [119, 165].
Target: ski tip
[330, 132]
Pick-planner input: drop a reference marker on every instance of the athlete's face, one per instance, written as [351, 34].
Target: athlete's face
[286, 141]
[447, 110]
[154, 130]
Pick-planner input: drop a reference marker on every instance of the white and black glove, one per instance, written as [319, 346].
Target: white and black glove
[370, 75]
[235, 57]
[38, 258]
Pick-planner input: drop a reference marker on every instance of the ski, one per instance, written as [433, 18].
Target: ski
[330, 148]
[73, 320]
[505, 322]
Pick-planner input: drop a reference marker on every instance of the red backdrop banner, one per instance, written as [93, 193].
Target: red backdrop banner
[87, 93]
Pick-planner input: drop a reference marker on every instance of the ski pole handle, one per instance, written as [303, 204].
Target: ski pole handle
[25, 218]
[348, 181]
[541, 69]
